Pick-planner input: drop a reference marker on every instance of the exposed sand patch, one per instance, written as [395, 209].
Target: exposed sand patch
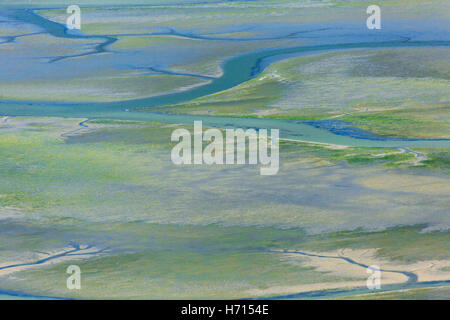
[432, 270]
[323, 144]
[7, 212]
[272, 291]
[59, 126]
[408, 183]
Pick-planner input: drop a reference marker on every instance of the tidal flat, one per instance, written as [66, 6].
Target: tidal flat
[111, 185]
[85, 127]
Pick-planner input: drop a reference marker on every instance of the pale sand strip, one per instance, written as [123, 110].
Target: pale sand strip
[430, 270]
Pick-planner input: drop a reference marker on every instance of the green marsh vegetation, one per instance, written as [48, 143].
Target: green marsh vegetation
[170, 261]
[111, 185]
[403, 101]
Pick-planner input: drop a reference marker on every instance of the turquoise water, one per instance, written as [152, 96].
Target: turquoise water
[235, 71]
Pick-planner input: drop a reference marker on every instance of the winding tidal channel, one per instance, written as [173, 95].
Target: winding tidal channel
[236, 70]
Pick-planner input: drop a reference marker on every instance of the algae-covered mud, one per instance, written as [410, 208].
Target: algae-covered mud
[88, 179]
